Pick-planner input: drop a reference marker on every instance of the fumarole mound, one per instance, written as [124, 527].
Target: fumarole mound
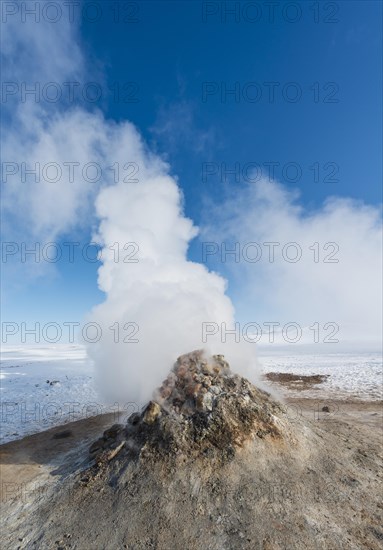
[202, 409]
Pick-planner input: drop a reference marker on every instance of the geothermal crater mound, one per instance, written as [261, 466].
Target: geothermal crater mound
[201, 408]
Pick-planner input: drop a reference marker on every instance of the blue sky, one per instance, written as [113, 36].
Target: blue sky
[171, 52]
[177, 59]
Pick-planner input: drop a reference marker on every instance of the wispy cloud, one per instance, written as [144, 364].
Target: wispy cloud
[176, 128]
[330, 274]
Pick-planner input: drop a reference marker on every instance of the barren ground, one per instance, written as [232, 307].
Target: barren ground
[197, 506]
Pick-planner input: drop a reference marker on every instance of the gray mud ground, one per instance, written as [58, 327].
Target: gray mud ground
[319, 490]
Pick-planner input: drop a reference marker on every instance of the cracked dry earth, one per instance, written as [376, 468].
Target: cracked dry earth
[212, 462]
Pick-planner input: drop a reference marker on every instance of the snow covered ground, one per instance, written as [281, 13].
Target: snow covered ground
[47, 386]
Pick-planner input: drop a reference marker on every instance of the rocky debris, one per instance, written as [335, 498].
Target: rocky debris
[53, 382]
[106, 455]
[202, 408]
[109, 441]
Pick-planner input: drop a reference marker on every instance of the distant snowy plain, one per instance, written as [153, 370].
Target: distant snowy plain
[42, 387]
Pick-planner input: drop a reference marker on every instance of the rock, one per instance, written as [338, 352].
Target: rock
[96, 447]
[205, 402]
[152, 412]
[62, 434]
[164, 391]
[193, 389]
[188, 408]
[206, 382]
[134, 419]
[111, 454]
[113, 431]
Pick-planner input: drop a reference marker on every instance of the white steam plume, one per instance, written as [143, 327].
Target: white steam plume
[167, 297]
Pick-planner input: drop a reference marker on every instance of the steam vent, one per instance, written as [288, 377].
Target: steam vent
[210, 463]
